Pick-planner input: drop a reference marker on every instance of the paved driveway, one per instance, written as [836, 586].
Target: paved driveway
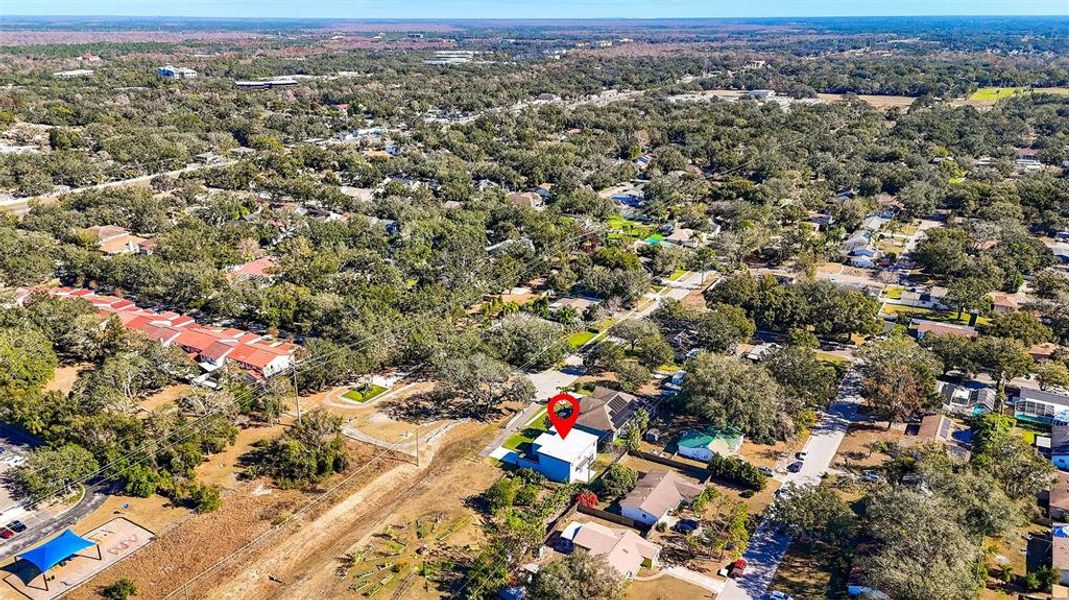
[767, 547]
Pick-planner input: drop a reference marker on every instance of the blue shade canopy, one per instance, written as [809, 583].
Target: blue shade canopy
[56, 550]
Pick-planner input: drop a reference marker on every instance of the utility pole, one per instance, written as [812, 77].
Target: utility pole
[296, 392]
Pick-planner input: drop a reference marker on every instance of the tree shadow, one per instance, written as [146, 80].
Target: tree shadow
[430, 406]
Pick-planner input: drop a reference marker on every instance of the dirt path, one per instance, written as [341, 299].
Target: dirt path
[303, 564]
[197, 542]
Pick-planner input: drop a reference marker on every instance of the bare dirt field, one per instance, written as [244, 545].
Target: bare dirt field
[63, 380]
[877, 102]
[666, 588]
[301, 560]
[194, 544]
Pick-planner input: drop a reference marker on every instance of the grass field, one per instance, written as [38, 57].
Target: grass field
[628, 230]
[932, 315]
[363, 394]
[581, 338]
[995, 93]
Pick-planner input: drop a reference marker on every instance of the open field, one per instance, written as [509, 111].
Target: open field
[807, 572]
[304, 561]
[995, 93]
[666, 588]
[192, 545]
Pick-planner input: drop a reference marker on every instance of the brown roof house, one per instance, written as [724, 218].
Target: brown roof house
[1059, 496]
[624, 550]
[923, 327]
[1060, 551]
[938, 428]
[657, 494]
[605, 412]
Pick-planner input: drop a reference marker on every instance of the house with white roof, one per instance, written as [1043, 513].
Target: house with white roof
[567, 460]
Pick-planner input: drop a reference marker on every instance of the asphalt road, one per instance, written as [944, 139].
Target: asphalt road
[767, 546]
[21, 206]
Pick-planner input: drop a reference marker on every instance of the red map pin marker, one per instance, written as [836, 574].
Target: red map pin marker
[563, 424]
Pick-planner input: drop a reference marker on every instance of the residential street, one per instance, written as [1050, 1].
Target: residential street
[549, 382]
[767, 547]
[21, 206]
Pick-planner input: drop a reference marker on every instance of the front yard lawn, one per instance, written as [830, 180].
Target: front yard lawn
[581, 338]
[534, 428]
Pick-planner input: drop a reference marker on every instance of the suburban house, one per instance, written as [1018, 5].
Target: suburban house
[113, 239]
[1043, 352]
[605, 411]
[938, 428]
[682, 236]
[580, 305]
[1059, 497]
[922, 327]
[1060, 552]
[624, 550]
[260, 269]
[863, 257]
[527, 200]
[701, 445]
[656, 494]
[860, 239]
[567, 460]
[1003, 303]
[966, 400]
[1059, 446]
[931, 297]
[1041, 407]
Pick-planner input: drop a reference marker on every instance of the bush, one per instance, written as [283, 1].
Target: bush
[503, 493]
[586, 498]
[617, 480]
[737, 471]
[528, 494]
[141, 481]
[120, 590]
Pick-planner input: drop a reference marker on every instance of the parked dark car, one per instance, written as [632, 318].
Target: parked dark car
[685, 526]
[16, 526]
[737, 568]
[795, 466]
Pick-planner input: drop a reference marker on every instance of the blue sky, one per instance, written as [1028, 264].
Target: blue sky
[438, 9]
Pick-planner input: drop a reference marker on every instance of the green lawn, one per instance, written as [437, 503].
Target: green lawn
[832, 358]
[894, 292]
[534, 428]
[995, 93]
[626, 229]
[677, 274]
[581, 338]
[932, 315]
[363, 394]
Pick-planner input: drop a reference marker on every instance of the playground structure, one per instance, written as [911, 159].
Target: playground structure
[65, 562]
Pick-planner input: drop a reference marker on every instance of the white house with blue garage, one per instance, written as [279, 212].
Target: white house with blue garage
[568, 460]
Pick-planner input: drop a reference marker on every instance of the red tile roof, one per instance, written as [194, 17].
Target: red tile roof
[247, 349]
